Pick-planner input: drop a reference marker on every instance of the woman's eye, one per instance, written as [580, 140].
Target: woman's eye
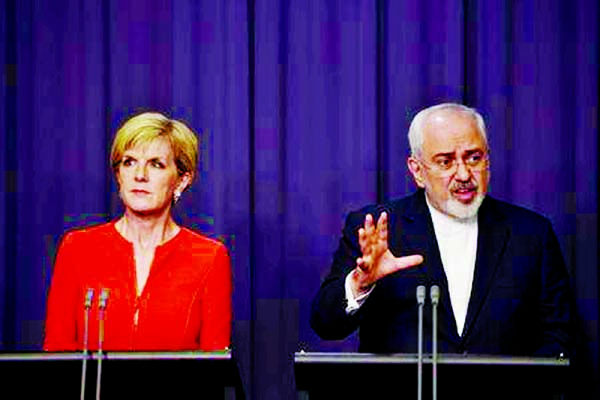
[157, 164]
[127, 162]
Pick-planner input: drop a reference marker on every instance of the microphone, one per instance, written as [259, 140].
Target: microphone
[420, 302]
[435, 299]
[101, 308]
[87, 305]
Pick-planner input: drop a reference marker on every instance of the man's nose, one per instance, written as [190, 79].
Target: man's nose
[463, 172]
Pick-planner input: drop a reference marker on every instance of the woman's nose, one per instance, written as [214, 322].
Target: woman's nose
[141, 173]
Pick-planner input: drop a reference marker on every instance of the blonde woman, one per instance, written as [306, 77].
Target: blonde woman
[168, 287]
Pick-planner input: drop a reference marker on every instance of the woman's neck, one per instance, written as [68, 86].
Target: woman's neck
[147, 231]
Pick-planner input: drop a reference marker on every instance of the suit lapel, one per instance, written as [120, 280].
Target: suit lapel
[415, 228]
[491, 244]
[418, 237]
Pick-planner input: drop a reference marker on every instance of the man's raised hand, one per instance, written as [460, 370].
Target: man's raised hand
[377, 260]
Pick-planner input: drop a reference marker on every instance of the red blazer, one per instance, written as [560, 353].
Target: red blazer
[185, 304]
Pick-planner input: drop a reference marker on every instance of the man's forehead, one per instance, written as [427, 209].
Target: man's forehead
[450, 130]
[449, 118]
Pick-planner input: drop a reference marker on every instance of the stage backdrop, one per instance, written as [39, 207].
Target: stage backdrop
[303, 108]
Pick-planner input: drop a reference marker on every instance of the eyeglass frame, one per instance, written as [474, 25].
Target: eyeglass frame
[478, 166]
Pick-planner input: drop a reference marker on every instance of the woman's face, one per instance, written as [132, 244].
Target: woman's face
[148, 177]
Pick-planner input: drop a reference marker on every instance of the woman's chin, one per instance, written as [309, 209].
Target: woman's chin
[145, 211]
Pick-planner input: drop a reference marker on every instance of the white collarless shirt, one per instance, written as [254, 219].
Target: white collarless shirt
[457, 242]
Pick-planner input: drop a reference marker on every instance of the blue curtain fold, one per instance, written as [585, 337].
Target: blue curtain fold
[302, 107]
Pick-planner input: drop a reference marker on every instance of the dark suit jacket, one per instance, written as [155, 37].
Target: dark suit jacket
[520, 300]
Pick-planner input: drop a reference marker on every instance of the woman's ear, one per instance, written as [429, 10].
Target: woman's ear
[117, 178]
[185, 181]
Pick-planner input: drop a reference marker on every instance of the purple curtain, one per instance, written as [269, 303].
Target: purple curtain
[303, 108]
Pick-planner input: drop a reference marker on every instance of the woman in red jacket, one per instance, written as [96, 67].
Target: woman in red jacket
[167, 287]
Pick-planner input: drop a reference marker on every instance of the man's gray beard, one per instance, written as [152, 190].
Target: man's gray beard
[462, 211]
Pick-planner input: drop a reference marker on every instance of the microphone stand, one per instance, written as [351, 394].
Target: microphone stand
[420, 302]
[89, 296]
[101, 307]
[435, 298]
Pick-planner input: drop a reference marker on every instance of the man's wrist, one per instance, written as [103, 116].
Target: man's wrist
[355, 299]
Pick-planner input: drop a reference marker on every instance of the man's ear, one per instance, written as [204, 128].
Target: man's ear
[416, 170]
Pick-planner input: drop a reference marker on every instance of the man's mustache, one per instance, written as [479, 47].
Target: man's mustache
[463, 186]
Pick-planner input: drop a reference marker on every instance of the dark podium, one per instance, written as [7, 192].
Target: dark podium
[395, 376]
[124, 375]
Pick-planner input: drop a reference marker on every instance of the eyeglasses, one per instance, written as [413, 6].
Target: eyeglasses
[448, 165]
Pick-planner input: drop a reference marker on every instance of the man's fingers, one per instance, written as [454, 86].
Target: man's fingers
[362, 239]
[364, 242]
[368, 235]
[408, 261]
[382, 225]
[382, 221]
[372, 240]
[394, 264]
[360, 263]
[369, 225]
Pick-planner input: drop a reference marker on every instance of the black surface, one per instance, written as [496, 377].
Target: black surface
[187, 375]
[370, 376]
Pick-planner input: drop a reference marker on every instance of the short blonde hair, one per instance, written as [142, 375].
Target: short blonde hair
[146, 127]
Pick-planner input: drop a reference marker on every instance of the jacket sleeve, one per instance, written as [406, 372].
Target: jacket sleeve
[556, 304]
[328, 310]
[215, 331]
[61, 318]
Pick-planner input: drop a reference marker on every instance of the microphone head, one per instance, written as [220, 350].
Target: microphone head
[89, 296]
[421, 294]
[103, 298]
[435, 294]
